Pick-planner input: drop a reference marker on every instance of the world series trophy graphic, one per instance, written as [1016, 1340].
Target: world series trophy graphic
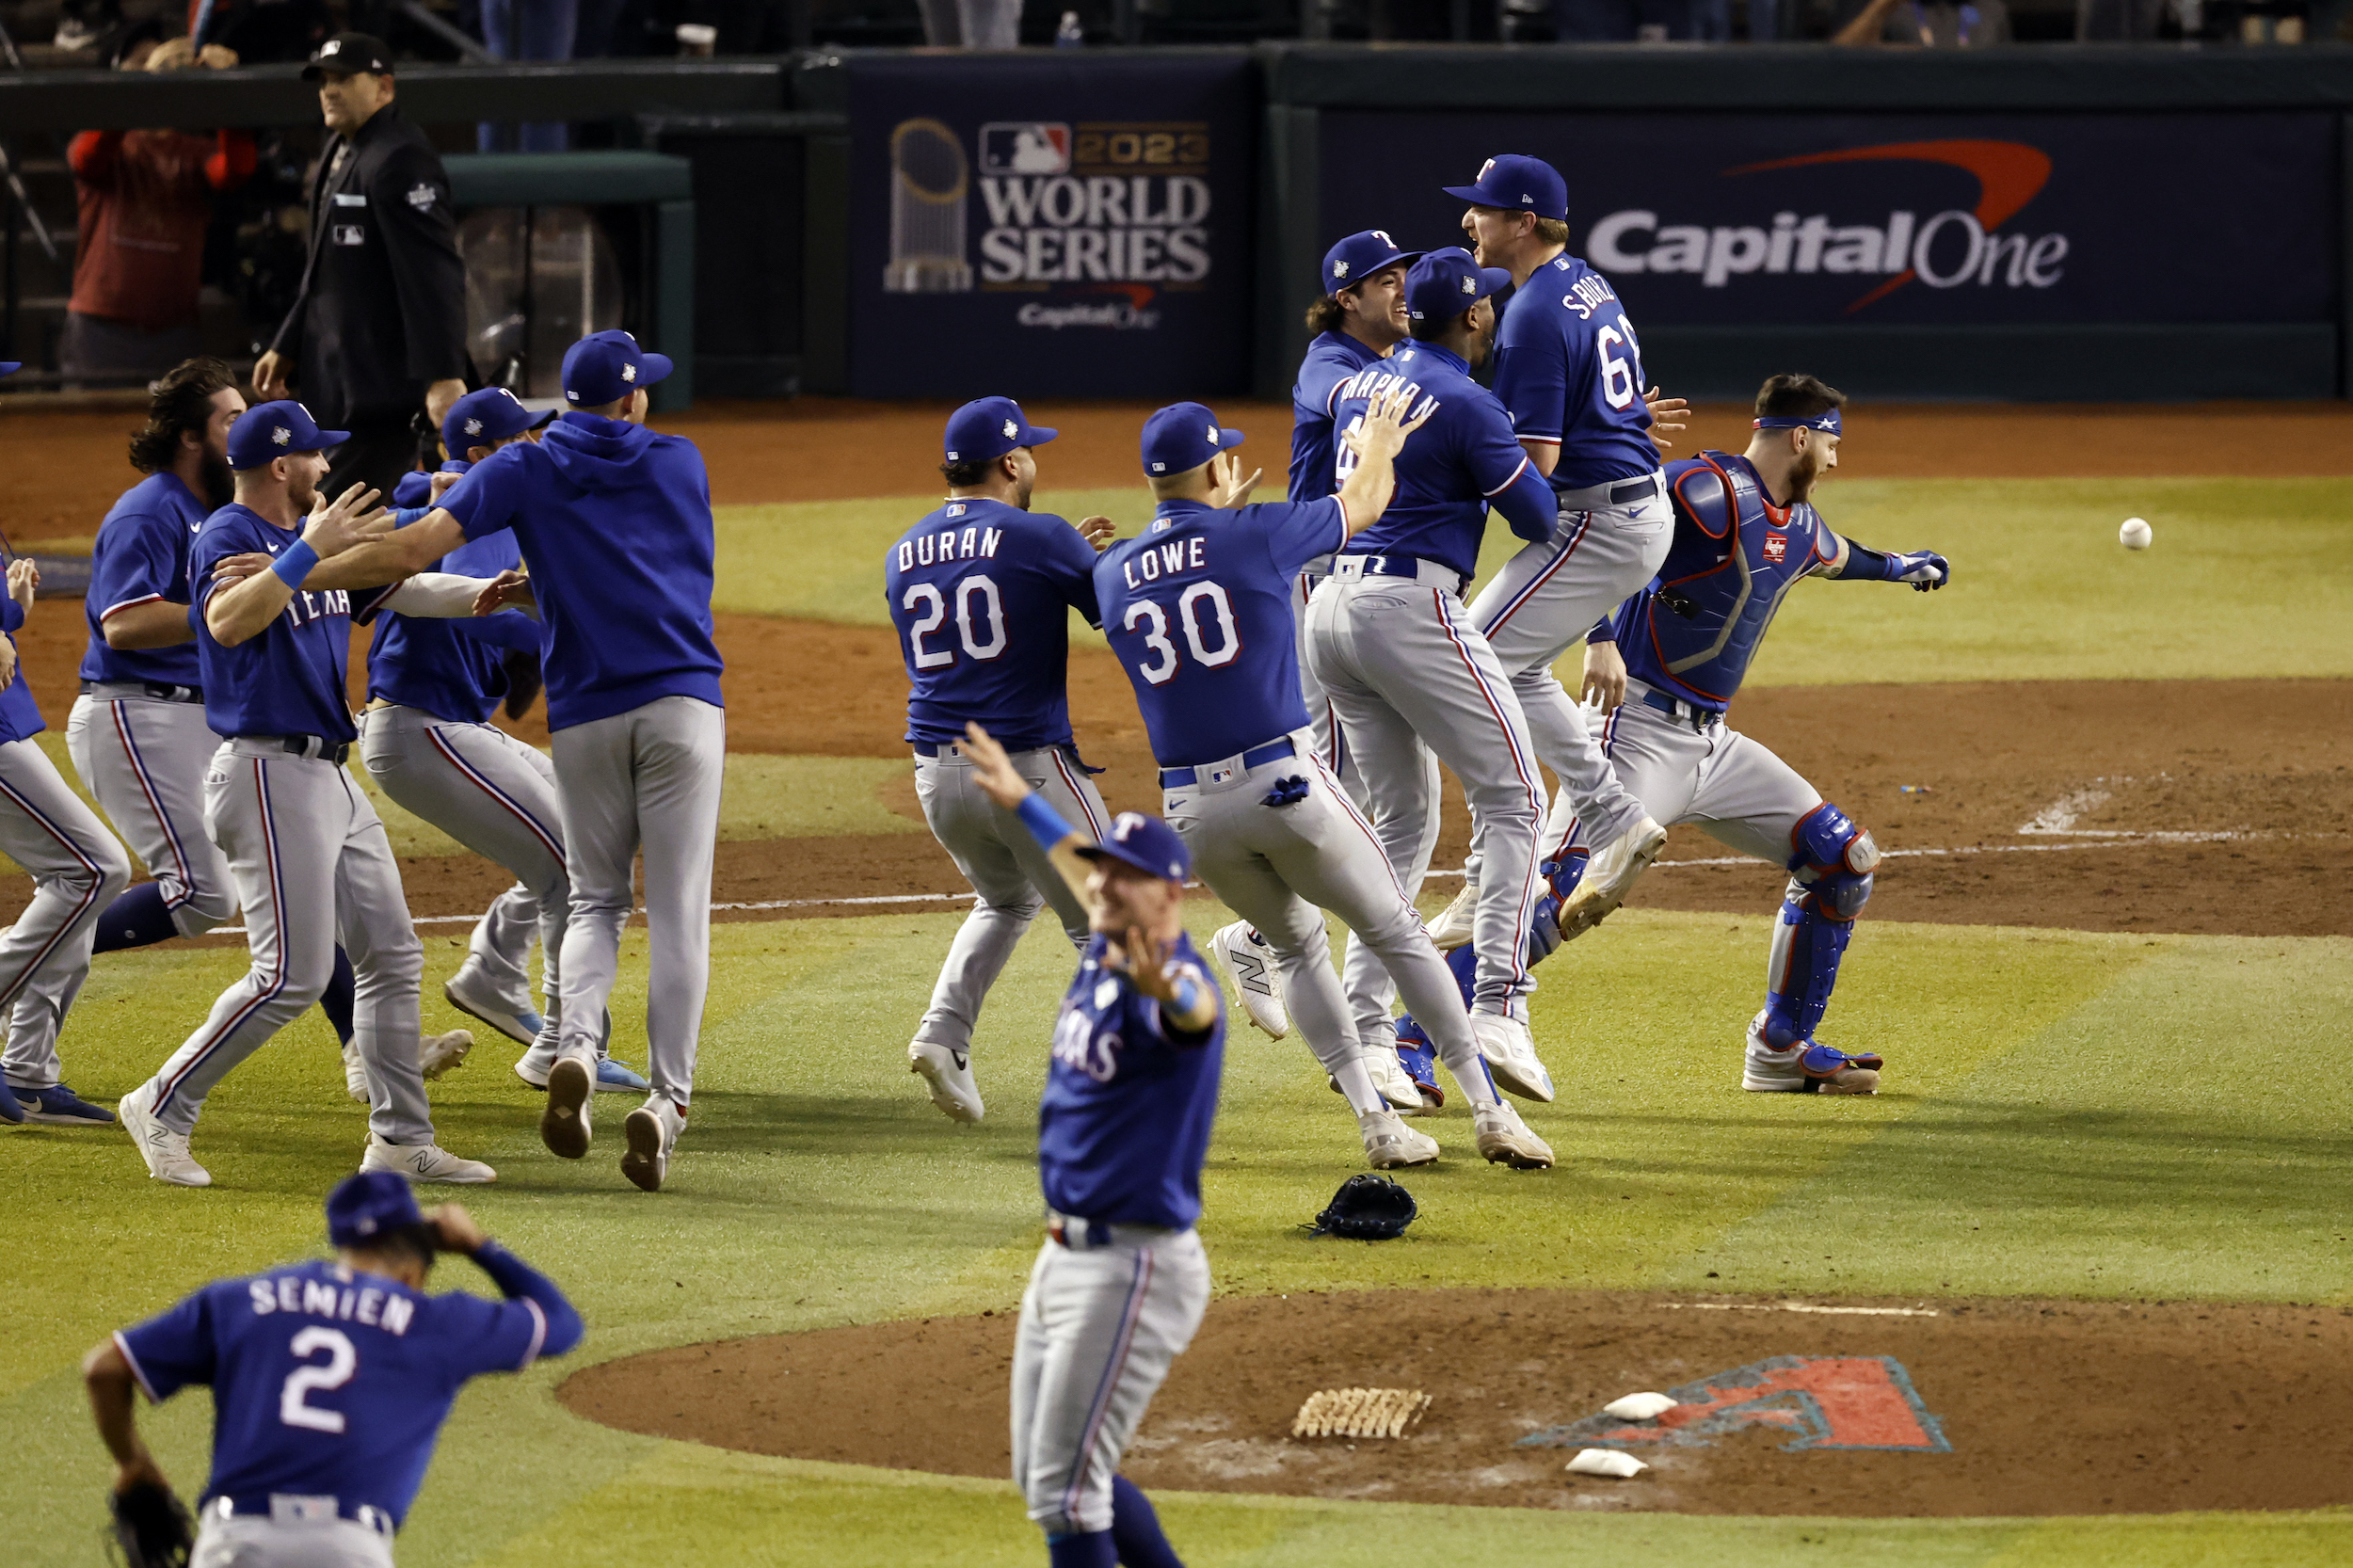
[930, 181]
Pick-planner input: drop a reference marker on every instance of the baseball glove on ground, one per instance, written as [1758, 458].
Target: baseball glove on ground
[1367, 1208]
[151, 1528]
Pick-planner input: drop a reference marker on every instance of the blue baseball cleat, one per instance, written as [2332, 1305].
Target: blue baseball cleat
[619, 1078]
[59, 1106]
[10, 1112]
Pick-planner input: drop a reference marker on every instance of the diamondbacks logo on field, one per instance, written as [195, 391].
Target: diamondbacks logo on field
[1954, 248]
[1825, 1402]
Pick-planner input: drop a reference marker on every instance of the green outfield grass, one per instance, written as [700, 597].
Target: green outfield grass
[2247, 577]
[2060, 1121]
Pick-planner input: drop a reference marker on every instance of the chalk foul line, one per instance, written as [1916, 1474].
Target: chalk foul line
[1803, 1306]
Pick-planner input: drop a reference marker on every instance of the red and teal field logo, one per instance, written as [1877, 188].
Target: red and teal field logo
[1828, 1401]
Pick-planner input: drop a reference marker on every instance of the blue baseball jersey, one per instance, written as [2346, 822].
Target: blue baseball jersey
[1569, 369]
[1198, 610]
[288, 679]
[614, 522]
[20, 716]
[447, 667]
[1693, 633]
[141, 557]
[1449, 470]
[1125, 1121]
[981, 592]
[331, 1382]
[416, 489]
[1331, 359]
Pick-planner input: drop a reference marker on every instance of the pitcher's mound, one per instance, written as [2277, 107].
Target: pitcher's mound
[1959, 1408]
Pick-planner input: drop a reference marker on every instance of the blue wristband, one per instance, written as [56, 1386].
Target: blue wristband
[1187, 996]
[300, 558]
[1044, 823]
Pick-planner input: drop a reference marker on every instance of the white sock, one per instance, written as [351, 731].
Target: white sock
[1356, 1084]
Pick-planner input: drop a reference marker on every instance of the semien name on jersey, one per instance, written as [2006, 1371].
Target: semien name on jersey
[320, 1298]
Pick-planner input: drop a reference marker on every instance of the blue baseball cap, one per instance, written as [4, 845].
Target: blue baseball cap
[9, 367]
[481, 418]
[1148, 843]
[1184, 436]
[1445, 283]
[1517, 183]
[605, 367]
[280, 429]
[987, 428]
[365, 1206]
[1359, 257]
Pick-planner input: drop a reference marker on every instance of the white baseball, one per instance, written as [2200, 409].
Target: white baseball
[2136, 533]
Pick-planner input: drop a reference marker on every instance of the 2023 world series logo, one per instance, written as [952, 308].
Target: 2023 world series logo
[1099, 215]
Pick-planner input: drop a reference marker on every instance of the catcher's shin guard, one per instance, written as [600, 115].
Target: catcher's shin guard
[1830, 883]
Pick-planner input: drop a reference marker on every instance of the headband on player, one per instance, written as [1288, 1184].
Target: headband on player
[1517, 183]
[1826, 422]
[1183, 436]
[987, 428]
[1359, 256]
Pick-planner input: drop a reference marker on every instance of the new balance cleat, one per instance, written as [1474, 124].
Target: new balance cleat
[426, 1162]
[165, 1151]
[1610, 875]
[1257, 978]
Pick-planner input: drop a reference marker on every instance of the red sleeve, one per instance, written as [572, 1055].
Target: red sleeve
[94, 154]
[232, 165]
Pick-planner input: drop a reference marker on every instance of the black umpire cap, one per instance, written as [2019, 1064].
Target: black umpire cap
[350, 52]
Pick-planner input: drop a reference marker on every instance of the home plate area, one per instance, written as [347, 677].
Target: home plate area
[1891, 1409]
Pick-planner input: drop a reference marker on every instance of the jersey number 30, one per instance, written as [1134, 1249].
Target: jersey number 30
[979, 608]
[1154, 618]
[342, 1362]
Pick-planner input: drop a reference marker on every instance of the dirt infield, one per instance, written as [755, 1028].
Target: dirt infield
[1971, 1408]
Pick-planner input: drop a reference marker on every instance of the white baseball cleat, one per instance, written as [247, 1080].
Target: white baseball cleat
[1251, 962]
[948, 1074]
[1610, 875]
[1396, 1085]
[1390, 1145]
[1452, 927]
[475, 997]
[652, 1132]
[426, 1163]
[355, 1072]
[1510, 1053]
[563, 1120]
[165, 1151]
[438, 1054]
[1808, 1067]
[1504, 1139]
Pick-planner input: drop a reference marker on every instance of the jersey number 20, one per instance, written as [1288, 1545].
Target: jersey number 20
[977, 606]
[342, 1362]
[1154, 618]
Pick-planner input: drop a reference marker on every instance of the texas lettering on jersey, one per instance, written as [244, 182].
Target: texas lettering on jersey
[305, 607]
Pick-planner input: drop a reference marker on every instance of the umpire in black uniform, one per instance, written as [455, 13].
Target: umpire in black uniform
[378, 330]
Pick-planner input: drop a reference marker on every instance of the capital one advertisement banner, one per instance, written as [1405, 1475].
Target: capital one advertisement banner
[1944, 220]
[1054, 227]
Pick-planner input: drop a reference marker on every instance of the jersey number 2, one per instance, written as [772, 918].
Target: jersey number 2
[342, 1362]
[973, 592]
[1164, 660]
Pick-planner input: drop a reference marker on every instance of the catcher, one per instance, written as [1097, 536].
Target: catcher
[331, 1381]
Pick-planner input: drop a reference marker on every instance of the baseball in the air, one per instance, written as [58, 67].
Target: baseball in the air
[2136, 533]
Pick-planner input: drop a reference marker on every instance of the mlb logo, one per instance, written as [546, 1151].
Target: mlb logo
[1776, 547]
[1219, 775]
[1025, 147]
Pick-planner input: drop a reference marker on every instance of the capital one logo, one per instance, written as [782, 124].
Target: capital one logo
[1957, 247]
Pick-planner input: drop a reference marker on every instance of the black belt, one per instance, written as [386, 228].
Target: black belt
[1682, 712]
[155, 689]
[337, 752]
[1176, 778]
[290, 1509]
[1633, 490]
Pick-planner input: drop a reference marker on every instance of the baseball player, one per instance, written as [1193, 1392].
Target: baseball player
[306, 848]
[1197, 612]
[979, 591]
[433, 684]
[331, 1379]
[138, 733]
[614, 523]
[1121, 1281]
[1569, 371]
[76, 867]
[1357, 319]
[1401, 661]
[1745, 533]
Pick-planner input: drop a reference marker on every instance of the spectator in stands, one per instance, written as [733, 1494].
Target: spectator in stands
[541, 30]
[972, 24]
[146, 199]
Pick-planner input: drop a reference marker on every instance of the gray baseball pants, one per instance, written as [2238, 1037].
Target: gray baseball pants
[312, 869]
[143, 760]
[496, 796]
[1400, 660]
[1100, 1326]
[1323, 722]
[1008, 871]
[77, 868]
[1281, 867]
[260, 1542]
[1544, 601]
[647, 779]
